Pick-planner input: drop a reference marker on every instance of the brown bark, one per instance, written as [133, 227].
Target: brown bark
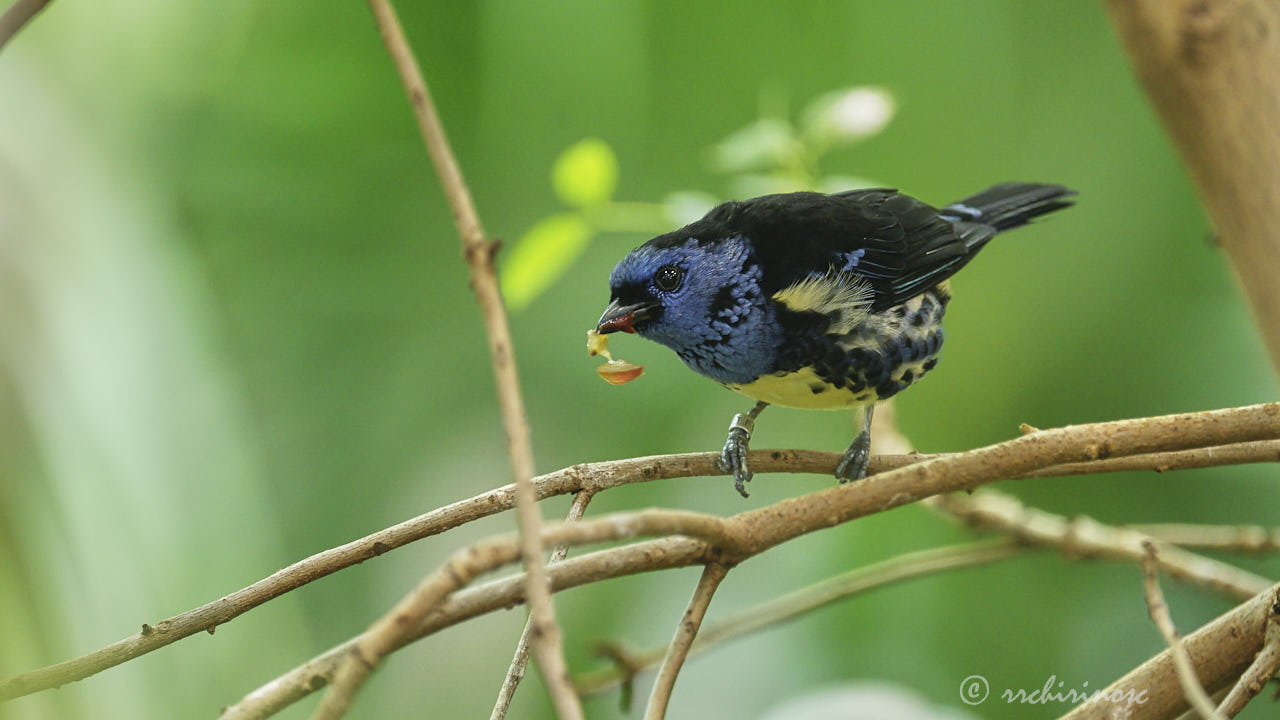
[1212, 69]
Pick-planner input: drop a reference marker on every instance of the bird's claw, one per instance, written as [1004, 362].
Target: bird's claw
[733, 458]
[853, 466]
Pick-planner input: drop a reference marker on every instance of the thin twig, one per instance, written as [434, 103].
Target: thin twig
[589, 476]
[1073, 537]
[17, 16]
[1082, 536]
[515, 673]
[1193, 714]
[1241, 538]
[1263, 668]
[686, 631]
[649, 556]
[788, 607]
[594, 476]
[479, 256]
[1224, 648]
[1215, 456]
[654, 555]
[390, 631]
[753, 532]
[1159, 611]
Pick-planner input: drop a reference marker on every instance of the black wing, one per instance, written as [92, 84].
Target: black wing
[900, 245]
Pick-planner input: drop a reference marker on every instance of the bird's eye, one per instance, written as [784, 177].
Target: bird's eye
[668, 277]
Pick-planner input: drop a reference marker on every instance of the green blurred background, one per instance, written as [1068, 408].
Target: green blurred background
[235, 331]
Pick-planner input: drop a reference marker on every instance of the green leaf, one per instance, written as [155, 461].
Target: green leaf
[763, 144]
[541, 255]
[586, 174]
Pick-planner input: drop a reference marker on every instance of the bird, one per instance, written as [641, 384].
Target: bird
[812, 300]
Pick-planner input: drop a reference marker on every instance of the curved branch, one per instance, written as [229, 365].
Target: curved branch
[686, 631]
[17, 17]
[1023, 529]
[653, 555]
[1209, 68]
[391, 630]
[1222, 650]
[587, 476]
[764, 528]
[593, 477]
[1158, 609]
[520, 658]
[753, 532]
[908, 566]
[1238, 538]
[1260, 672]
[478, 253]
[1083, 536]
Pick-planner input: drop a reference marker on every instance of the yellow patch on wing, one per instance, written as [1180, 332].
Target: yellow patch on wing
[844, 297]
[797, 390]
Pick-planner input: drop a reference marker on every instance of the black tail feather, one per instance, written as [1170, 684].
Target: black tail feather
[1009, 205]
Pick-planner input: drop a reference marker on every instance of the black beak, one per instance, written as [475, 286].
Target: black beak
[619, 317]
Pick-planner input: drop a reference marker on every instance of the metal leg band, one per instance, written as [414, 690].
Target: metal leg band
[743, 422]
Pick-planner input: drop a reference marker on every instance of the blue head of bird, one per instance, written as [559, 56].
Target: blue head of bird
[701, 298]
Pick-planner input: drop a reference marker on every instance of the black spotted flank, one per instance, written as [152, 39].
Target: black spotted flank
[817, 388]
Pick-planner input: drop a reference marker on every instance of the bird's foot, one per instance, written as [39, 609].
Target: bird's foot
[853, 466]
[733, 458]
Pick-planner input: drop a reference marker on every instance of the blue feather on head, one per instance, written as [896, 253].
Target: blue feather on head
[703, 300]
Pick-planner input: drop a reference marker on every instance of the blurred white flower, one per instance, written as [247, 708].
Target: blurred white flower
[863, 111]
[849, 115]
[863, 701]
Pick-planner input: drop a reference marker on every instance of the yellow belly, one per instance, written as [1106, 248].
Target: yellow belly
[797, 390]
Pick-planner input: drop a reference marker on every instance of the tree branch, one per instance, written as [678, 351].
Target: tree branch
[788, 607]
[686, 631]
[755, 531]
[1083, 536]
[1240, 538]
[393, 629]
[1209, 68]
[1235, 454]
[1023, 527]
[1158, 609]
[484, 281]
[515, 673]
[17, 16]
[789, 518]
[654, 555]
[1263, 667]
[1223, 649]
[587, 476]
